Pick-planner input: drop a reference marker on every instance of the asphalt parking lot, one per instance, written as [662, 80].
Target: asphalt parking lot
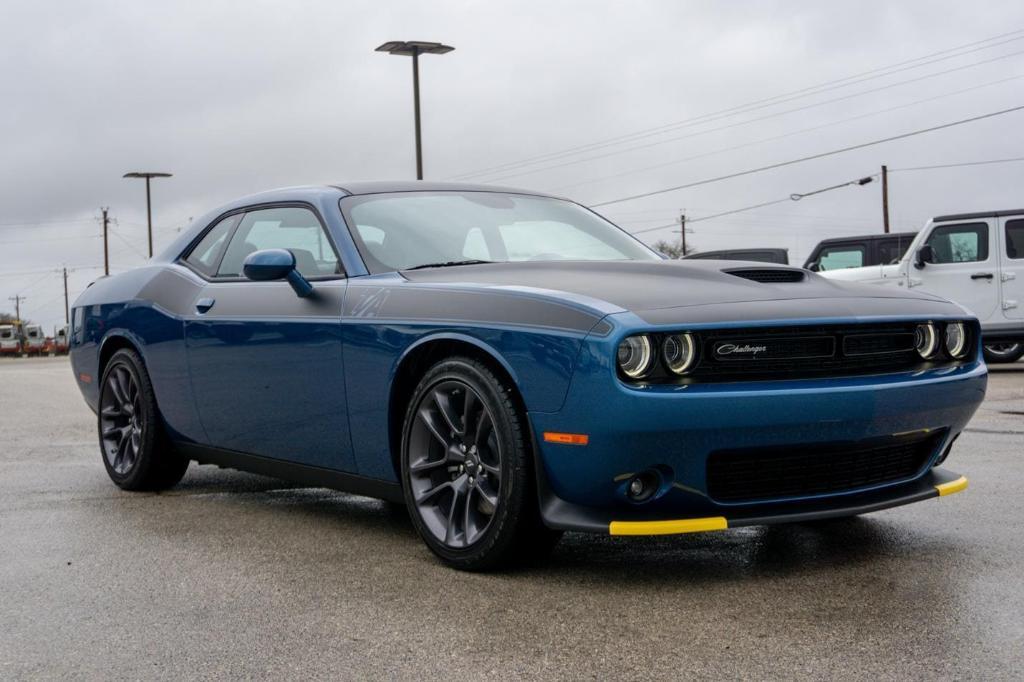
[231, 574]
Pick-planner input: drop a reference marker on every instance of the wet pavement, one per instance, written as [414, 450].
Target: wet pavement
[237, 575]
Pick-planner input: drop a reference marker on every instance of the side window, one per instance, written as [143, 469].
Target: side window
[964, 243]
[292, 228]
[889, 251]
[1015, 238]
[206, 253]
[841, 256]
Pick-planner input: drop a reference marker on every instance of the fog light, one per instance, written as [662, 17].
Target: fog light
[643, 486]
[636, 487]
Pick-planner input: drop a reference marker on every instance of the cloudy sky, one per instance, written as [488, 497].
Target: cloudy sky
[594, 100]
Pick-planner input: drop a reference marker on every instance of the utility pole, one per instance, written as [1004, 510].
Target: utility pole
[885, 198]
[67, 313]
[106, 251]
[682, 230]
[17, 306]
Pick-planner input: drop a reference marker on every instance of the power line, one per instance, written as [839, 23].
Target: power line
[777, 99]
[812, 157]
[956, 165]
[758, 119]
[783, 136]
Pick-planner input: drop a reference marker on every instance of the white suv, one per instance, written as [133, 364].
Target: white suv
[974, 259]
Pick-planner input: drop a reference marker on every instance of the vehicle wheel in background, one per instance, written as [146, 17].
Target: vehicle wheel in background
[467, 470]
[136, 452]
[996, 353]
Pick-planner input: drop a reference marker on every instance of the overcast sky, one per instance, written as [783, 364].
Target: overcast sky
[237, 97]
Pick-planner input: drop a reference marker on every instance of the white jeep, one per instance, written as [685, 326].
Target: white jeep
[974, 259]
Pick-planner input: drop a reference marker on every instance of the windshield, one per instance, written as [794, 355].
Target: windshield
[402, 230]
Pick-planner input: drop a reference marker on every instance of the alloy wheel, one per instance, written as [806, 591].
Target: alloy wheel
[121, 420]
[454, 463]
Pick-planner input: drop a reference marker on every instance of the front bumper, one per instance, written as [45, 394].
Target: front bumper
[937, 483]
[677, 428]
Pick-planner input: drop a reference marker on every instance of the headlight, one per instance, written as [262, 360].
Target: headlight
[956, 340]
[635, 356]
[926, 340]
[680, 352]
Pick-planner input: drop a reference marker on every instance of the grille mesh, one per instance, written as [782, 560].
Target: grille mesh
[776, 473]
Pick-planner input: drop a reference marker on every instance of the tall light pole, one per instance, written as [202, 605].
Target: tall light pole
[414, 48]
[149, 210]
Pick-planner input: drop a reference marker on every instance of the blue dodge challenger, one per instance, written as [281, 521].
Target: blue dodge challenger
[511, 365]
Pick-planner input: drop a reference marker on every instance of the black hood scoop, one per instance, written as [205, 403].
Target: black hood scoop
[768, 275]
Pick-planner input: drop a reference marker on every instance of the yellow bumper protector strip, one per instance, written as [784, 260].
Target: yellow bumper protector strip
[952, 487]
[667, 527]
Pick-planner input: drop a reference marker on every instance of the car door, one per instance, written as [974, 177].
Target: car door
[964, 268]
[266, 365]
[1012, 274]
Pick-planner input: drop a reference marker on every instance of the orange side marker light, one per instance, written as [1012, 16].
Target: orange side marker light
[566, 438]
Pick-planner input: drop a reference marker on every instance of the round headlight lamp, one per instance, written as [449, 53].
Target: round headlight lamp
[956, 340]
[635, 356]
[679, 352]
[926, 340]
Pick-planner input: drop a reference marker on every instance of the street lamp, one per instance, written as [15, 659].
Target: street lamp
[149, 210]
[414, 48]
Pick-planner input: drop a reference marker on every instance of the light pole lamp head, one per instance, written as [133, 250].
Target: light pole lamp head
[146, 174]
[408, 48]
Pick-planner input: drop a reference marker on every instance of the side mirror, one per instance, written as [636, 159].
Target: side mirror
[271, 265]
[813, 267]
[925, 254]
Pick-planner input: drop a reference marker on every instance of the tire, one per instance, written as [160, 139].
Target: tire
[996, 353]
[469, 481]
[135, 450]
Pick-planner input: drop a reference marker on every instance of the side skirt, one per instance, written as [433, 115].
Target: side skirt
[315, 477]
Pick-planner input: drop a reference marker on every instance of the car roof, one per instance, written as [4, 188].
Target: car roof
[866, 237]
[385, 186]
[981, 214]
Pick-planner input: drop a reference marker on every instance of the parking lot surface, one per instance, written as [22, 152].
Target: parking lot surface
[231, 574]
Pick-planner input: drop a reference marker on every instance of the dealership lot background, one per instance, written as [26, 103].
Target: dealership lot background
[237, 574]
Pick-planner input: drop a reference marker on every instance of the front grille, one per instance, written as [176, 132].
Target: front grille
[806, 352]
[768, 275]
[759, 474]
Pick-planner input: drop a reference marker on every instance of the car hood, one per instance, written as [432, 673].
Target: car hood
[652, 285]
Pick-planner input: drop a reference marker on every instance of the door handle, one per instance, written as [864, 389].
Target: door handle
[982, 275]
[204, 304]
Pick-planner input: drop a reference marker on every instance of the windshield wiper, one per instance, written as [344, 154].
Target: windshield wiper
[450, 263]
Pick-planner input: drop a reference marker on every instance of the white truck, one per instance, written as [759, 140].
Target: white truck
[34, 340]
[974, 259]
[10, 340]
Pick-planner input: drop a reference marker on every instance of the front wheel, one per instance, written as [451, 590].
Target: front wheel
[467, 469]
[136, 452]
[997, 353]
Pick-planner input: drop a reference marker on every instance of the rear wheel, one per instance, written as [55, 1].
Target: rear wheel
[467, 470]
[136, 452]
[997, 353]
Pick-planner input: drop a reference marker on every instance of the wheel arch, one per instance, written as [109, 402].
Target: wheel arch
[422, 355]
[113, 342]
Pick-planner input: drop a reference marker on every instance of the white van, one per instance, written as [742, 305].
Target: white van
[974, 259]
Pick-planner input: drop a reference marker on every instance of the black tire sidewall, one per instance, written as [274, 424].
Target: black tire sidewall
[510, 428]
[1001, 359]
